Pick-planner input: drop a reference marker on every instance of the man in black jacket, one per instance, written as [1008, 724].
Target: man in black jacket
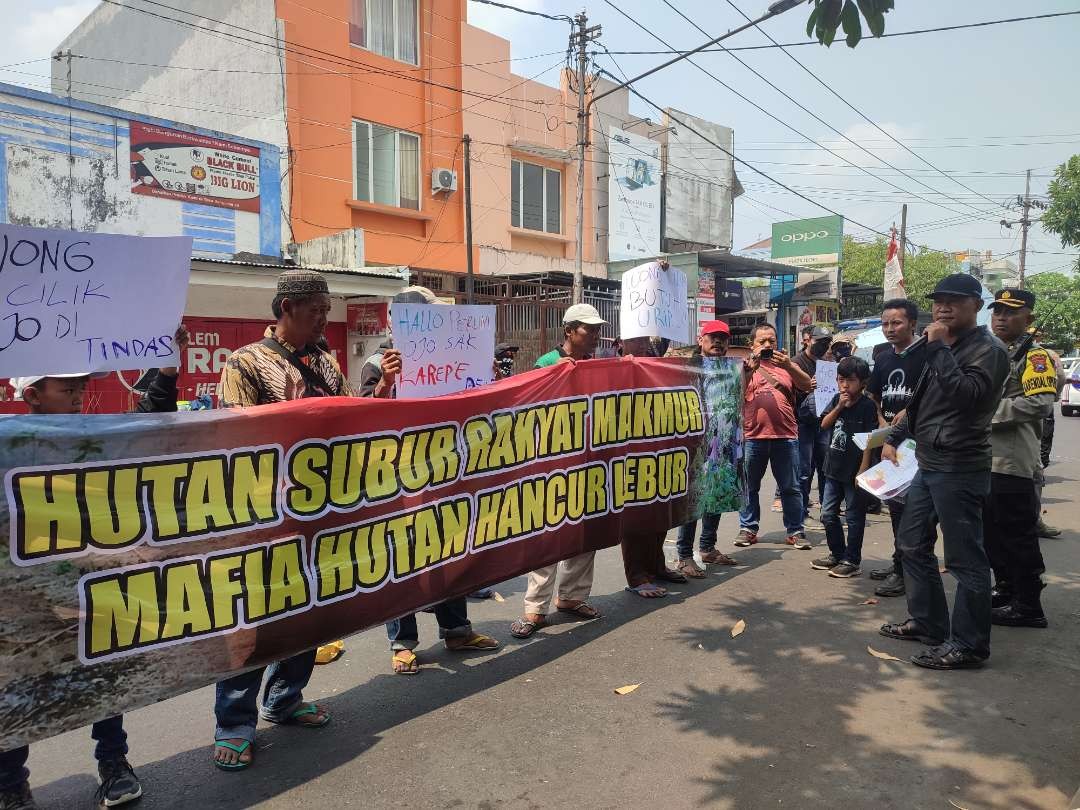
[949, 416]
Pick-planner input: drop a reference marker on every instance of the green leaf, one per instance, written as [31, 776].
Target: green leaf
[849, 18]
[810, 23]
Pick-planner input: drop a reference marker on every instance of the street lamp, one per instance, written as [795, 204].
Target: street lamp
[776, 8]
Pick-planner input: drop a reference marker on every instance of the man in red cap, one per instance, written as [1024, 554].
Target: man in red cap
[713, 342]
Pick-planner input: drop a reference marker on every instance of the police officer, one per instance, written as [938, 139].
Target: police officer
[1011, 516]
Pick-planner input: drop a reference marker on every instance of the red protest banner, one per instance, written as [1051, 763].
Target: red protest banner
[173, 550]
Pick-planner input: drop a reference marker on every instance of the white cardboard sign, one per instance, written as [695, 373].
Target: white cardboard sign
[444, 349]
[654, 303]
[74, 302]
[827, 386]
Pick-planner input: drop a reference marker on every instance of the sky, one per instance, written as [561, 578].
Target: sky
[981, 105]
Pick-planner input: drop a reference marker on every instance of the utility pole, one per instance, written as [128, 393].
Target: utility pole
[469, 279]
[903, 237]
[581, 37]
[1025, 223]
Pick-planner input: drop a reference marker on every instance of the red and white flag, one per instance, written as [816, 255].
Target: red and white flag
[894, 274]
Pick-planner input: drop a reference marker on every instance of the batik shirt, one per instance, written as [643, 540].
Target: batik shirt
[257, 375]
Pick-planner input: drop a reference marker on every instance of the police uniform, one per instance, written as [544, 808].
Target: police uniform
[1012, 510]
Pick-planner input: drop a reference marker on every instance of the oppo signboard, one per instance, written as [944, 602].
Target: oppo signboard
[808, 242]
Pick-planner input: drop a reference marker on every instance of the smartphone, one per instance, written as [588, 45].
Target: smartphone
[765, 354]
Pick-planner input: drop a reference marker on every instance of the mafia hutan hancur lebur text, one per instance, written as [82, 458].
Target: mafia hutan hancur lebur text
[64, 512]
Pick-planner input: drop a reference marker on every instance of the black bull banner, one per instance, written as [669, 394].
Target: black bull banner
[148, 555]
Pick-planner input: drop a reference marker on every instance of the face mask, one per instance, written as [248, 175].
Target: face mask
[843, 350]
[820, 348]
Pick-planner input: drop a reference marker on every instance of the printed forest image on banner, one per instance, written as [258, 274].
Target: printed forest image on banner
[151, 554]
[716, 485]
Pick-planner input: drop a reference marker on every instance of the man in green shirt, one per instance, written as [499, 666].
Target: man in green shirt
[581, 331]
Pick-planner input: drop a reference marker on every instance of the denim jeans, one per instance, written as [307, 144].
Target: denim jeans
[235, 705]
[957, 499]
[111, 742]
[782, 455]
[685, 544]
[453, 619]
[813, 447]
[855, 516]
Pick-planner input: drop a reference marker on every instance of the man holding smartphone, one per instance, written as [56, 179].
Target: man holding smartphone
[771, 435]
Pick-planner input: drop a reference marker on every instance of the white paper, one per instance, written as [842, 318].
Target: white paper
[874, 439]
[654, 303]
[826, 385]
[887, 480]
[444, 349]
[74, 302]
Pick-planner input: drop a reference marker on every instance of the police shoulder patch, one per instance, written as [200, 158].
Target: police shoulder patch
[1038, 375]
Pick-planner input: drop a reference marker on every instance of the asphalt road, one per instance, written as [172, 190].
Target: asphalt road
[794, 712]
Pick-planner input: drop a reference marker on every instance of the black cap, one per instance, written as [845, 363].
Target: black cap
[1014, 299]
[505, 348]
[820, 333]
[958, 284]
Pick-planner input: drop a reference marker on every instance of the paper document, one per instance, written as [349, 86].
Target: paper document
[872, 440]
[827, 386]
[887, 480]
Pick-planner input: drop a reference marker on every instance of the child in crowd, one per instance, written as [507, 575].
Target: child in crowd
[850, 412]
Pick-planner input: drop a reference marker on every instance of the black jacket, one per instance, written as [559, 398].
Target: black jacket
[954, 401]
[160, 396]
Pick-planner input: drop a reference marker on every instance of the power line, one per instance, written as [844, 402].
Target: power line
[943, 28]
[776, 118]
[555, 17]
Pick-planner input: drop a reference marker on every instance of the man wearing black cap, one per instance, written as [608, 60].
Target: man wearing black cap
[813, 441]
[1012, 510]
[504, 360]
[949, 416]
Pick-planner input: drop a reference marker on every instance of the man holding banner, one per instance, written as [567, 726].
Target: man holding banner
[286, 364]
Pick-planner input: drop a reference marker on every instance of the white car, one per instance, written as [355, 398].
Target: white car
[1070, 395]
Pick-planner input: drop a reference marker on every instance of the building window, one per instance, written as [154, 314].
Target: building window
[386, 27]
[387, 165]
[535, 197]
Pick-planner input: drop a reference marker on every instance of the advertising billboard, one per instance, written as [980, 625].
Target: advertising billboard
[633, 196]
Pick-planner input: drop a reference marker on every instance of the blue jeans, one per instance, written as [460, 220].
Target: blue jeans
[111, 742]
[235, 706]
[783, 456]
[453, 619]
[846, 491]
[685, 544]
[957, 499]
[813, 446]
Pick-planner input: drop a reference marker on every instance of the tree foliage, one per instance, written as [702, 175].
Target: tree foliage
[864, 263]
[1057, 309]
[830, 15]
[1062, 216]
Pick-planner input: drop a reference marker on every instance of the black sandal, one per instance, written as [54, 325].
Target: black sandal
[667, 575]
[951, 659]
[908, 631]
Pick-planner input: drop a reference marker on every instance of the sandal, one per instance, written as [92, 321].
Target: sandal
[523, 628]
[583, 610]
[908, 631]
[404, 663]
[239, 765]
[690, 568]
[476, 641]
[667, 575]
[648, 590]
[308, 710]
[949, 659]
[715, 557]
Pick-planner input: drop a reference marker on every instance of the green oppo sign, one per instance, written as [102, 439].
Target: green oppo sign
[808, 242]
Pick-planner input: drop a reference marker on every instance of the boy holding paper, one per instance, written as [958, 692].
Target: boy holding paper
[849, 412]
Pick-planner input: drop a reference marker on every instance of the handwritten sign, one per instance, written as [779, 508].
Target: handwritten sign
[827, 387]
[654, 303]
[75, 302]
[444, 349]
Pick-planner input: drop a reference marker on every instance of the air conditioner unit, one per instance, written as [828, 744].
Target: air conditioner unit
[443, 180]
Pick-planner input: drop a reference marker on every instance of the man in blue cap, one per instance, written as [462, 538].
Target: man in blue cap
[950, 415]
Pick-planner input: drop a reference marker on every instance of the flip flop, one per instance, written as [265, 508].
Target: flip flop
[477, 641]
[239, 749]
[582, 611]
[643, 590]
[523, 628]
[667, 575]
[304, 711]
[407, 658]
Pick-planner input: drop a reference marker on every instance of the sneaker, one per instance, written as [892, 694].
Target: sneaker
[798, 540]
[845, 570]
[1047, 532]
[17, 798]
[119, 784]
[824, 563]
[777, 506]
[892, 585]
[745, 538]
